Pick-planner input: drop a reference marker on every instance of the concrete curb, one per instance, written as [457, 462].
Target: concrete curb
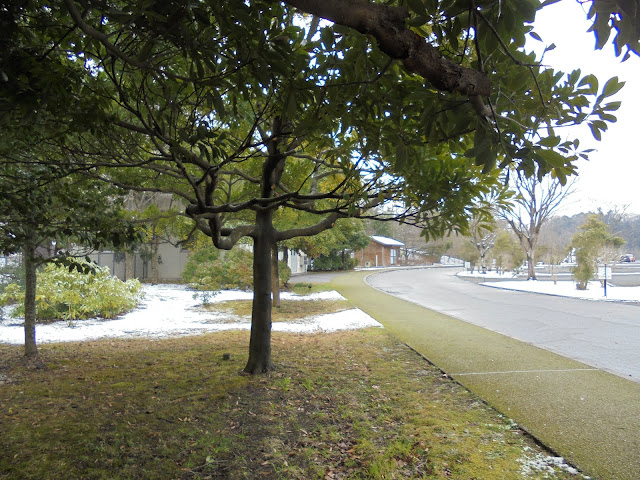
[590, 417]
[609, 300]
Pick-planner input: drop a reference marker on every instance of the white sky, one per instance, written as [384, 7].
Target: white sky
[611, 178]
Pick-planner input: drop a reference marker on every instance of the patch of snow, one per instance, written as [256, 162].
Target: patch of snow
[331, 322]
[491, 274]
[594, 291]
[174, 310]
[532, 463]
[231, 295]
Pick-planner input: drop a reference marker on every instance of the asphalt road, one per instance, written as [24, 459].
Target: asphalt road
[602, 335]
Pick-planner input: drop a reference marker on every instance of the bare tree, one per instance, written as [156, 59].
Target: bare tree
[482, 237]
[534, 201]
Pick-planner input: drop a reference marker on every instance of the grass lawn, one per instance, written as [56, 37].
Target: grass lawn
[290, 310]
[355, 404]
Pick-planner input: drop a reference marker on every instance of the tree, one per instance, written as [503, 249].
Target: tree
[39, 210]
[507, 251]
[482, 237]
[330, 248]
[535, 199]
[241, 111]
[270, 141]
[439, 247]
[47, 207]
[468, 252]
[157, 218]
[593, 243]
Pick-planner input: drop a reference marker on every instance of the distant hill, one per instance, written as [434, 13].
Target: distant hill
[559, 230]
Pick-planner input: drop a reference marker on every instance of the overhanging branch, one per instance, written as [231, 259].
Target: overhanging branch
[387, 25]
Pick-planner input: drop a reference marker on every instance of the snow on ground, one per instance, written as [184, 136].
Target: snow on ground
[564, 288]
[174, 310]
[489, 275]
[594, 291]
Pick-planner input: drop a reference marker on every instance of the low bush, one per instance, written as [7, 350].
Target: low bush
[65, 295]
[209, 269]
[332, 262]
[11, 273]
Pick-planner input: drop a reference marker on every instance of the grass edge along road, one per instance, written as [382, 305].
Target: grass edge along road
[590, 417]
[355, 404]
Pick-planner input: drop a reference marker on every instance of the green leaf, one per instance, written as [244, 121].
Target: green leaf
[401, 156]
[612, 106]
[550, 141]
[218, 104]
[595, 132]
[417, 6]
[552, 157]
[608, 117]
[431, 6]
[612, 87]
[535, 36]
[574, 76]
[417, 21]
[592, 81]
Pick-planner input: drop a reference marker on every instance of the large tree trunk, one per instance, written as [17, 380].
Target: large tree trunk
[275, 276]
[29, 260]
[260, 342]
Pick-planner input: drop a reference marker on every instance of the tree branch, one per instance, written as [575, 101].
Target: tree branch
[387, 25]
[321, 226]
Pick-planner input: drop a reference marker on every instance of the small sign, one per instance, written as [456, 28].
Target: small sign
[604, 272]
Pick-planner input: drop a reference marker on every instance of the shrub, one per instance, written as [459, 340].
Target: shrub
[65, 295]
[208, 269]
[334, 261]
[11, 273]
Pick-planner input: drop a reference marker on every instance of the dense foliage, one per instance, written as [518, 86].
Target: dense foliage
[507, 253]
[334, 261]
[71, 295]
[331, 249]
[210, 269]
[593, 244]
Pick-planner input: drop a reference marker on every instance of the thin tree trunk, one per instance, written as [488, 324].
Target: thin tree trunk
[260, 341]
[275, 276]
[128, 265]
[155, 276]
[30, 347]
[531, 270]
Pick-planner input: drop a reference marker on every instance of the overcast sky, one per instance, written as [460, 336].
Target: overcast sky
[611, 178]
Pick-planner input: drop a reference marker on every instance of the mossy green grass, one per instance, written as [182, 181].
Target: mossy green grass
[590, 417]
[356, 404]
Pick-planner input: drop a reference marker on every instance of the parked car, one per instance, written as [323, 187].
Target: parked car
[627, 257]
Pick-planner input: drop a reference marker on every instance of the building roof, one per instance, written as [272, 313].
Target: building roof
[390, 242]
